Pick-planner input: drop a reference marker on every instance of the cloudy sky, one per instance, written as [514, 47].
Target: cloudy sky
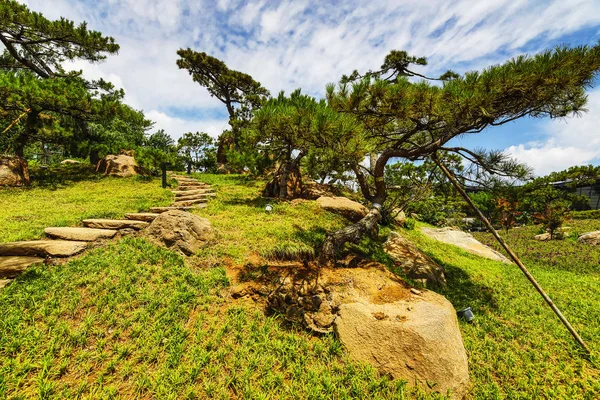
[291, 44]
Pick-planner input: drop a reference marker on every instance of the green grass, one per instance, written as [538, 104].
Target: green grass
[131, 320]
[64, 196]
[518, 348]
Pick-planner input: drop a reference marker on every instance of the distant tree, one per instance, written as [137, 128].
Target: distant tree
[160, 140]
[240, 93]
[197, 149]
[414, 121]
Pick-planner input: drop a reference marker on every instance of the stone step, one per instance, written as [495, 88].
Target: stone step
[148, 217]
[42, 248]
[114, 223]
[194, 196]
[191, 188]
[11, 266]
[4, 282]
[191, 192]
[188, 202]
[182, 208]
[193, 185]
[83, 234]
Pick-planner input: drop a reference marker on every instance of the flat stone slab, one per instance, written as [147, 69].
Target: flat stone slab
[191, 192]
[83, 234]
[465, 241]
[182, 208]
[148, 217]
[188, 202]
[4, 282]
[194, 196]
[11, 266]
[43, 248]
[114, 223]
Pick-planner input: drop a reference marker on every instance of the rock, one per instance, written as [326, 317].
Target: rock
[181, 231]
[192, 187]
[422, 344]
[415, 264]
[114, 223]
[121, 165]
[187, 203]
[83, 234]
[70, 162]
[148, 217]
[465, 241]
[312, 190]
[399, 217]
[13, 171]
[407, 333]
[592, 238]
[11, 266]
[191, 192]
[42, 248]
[542, 237]
[4, 282]
[341, 205]
[160, 210]
[194, 196]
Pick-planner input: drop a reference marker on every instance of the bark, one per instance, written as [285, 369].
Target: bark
[28, 133]
[352, 233]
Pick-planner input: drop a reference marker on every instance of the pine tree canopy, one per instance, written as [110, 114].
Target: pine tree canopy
[40, 45]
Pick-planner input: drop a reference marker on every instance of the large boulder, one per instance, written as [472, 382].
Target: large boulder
[407, 333]
[414, 263]
[312, 190]
[465, 241]
[13, 171]
[342, 205]
[592, 238]
[180, 231]
[119, 165]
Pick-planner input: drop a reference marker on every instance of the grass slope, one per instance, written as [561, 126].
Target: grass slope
[133, 321]
[66, 195]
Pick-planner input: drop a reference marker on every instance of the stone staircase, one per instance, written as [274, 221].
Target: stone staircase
[63, 242]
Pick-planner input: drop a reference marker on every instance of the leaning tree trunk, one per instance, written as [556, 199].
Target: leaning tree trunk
[28, 132]
[350, 234]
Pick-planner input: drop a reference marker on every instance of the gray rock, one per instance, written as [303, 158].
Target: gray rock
[180, 231]
[42, 248]
[114, 223]
[83, 234]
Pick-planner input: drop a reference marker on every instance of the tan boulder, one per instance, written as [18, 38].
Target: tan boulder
[180, 231]
[4, 282]
[592, 238]
[407, 333]
[414, 263]
[83, 234]
[13, 171]
[465, 241]
[70, 162]
[120, 165]
[114, 224]
[42, 248]
[342, 205]
[416, 340]
[543, 237]
[399, 217]
[11, 266]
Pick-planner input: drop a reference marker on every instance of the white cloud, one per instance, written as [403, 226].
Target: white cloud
[568, 142]
[289, 44]
[179, 126]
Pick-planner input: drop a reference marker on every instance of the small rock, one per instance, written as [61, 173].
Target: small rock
[341, 205]
[415, 291]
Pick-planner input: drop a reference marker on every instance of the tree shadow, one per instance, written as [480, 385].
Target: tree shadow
[463, 292]
[58, 177]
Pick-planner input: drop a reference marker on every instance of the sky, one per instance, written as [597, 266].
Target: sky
[306, 44]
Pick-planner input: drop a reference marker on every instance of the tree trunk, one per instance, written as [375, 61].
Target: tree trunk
[352, 233]
[283, 181]
[28, 132]
[221, 157]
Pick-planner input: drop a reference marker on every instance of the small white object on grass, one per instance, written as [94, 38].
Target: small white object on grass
[269, 208]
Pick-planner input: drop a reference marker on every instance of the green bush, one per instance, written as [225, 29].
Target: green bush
[588, 214]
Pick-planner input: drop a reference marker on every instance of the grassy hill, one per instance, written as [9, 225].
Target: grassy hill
[131, 320]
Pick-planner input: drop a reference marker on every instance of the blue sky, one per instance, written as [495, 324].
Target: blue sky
[290, 44]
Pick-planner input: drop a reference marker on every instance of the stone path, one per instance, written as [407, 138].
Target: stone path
[16, 257]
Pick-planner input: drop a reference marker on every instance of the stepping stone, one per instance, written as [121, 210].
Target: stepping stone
[182, 208]
[11, 266]
[194, 196]
[83, 234]
[148, 217]
[191, 188]
[188, 202]
[4, 282]
[191, 192]
[42, 248]
[114, 223]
